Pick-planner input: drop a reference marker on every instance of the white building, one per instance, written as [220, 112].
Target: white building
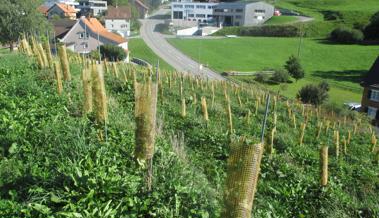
[118, 20]
[93, 7]
[72, 3]
[201, 12]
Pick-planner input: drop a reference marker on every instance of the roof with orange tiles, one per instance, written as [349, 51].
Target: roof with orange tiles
[43, 9]
[95, 26]
[65, 8]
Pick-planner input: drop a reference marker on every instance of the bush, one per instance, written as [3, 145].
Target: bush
[112, 52]
[294, 68]
[314, 94]
[260, 77]
[346, 35]
[280, 76]
[271, 30]
[372, 29]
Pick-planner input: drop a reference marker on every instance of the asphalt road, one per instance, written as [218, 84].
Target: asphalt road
[169, 53]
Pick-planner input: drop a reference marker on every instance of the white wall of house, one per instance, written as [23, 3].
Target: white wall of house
[121, 26]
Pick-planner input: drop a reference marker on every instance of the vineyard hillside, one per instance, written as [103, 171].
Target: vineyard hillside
[59, 158]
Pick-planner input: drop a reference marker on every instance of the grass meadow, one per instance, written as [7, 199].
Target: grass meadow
[341, 65]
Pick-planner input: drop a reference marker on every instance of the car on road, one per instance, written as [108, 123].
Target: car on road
[353, 106]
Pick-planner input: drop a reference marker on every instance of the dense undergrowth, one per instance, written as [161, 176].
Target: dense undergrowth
[53, 163]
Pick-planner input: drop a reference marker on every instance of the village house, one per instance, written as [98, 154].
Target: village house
[61, 10]
[117, 20]
[88, 34]
[370, 97]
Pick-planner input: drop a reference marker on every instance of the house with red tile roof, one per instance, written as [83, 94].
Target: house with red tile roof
[62, 10]
[88, 34]
[43, 9]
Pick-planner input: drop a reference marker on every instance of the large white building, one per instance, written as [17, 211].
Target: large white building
[93, 7]
[247, 13]
[192, 11]
[118, 19]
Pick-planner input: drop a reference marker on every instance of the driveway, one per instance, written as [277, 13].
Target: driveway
[157, 42]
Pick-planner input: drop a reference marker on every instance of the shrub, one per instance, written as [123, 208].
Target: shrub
[372, 29]
[314, 94]
[271, 30]
[280, 76]
[346, 35]
[112, 52]
[260, 77]
[294, 68]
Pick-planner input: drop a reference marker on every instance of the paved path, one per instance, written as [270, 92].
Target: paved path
[157, 42]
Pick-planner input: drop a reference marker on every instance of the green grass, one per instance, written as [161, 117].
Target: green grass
[341, 65]
[139, 49]
[281, 20]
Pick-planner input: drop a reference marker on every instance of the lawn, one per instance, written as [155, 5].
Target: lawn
[139, 49]
[281, 20]
[341, 65]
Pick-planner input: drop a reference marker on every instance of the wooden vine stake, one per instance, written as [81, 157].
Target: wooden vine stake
[324, 165]
[46, 46]
[373, 141]
[99, 95]
[87, 90]
[302, 129]
[319, 130]
[204, 108]
[184, 110]
[230, 120]
[348, 137]
[344, 142]
[62, 53]
[294, 121]
[271, 145]
[58, 77]
[337, 142]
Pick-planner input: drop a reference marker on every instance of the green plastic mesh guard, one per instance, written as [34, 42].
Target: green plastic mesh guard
[242, 175]
[145, 117]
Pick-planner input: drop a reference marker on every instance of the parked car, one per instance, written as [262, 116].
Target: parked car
[353, 106]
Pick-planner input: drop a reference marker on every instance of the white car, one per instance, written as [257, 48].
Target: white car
[353, 106]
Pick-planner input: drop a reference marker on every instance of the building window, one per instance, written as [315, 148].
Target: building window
[191, 15]
[219, 10]
[178, 6]
[238, 16]
[200, 15]
[85, 45]
[371, 112]
[239, 10]
[374, 96]
[124, 26]
[189, 6]
[211, 7]
[178, 14]
[82, 34]
[259, 11]
[200, 6]
[209, 15]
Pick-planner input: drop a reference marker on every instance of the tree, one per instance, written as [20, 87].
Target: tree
[18, 17]
[112, 52]
[314, 94]
[294, 68]
[372, 29]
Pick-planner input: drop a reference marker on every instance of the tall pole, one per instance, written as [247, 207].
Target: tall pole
[98, 46]
[265, 118]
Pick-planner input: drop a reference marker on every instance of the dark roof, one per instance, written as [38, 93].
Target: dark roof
[62, 26]
[372, 76]
[120, 12]
[141, 4]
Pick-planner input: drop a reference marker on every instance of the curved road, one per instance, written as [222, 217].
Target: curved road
[169, 53]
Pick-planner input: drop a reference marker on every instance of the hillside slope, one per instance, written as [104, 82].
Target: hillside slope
[55, 161]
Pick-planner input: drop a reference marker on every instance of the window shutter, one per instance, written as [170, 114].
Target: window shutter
[377, 115]
[366, 109]
[369, 94]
